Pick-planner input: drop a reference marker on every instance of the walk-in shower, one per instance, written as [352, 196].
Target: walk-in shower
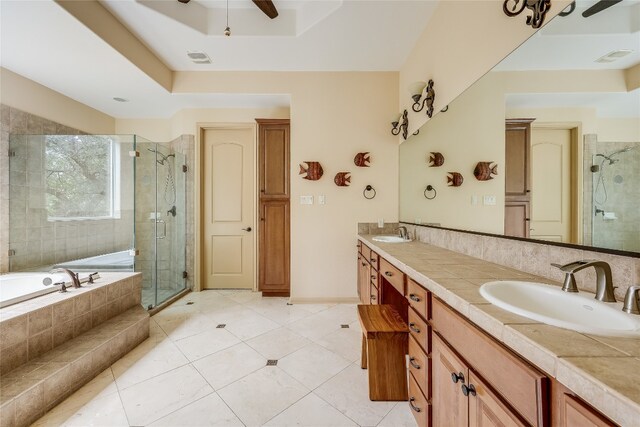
[615, 183]
[99, 203]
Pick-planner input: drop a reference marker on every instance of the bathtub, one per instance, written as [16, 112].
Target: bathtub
[116, 261]
[18, 287]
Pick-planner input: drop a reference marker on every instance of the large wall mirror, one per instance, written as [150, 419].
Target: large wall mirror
[560, 117]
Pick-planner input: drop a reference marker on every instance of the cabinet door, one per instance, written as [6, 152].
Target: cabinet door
[273, 143]
[449, 405]
[363, 280]
[486, 408]
[274, 247]
[579, 414]
[517, 158]
[516, 219]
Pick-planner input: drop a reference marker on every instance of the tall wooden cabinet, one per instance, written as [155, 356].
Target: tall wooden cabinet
[517, 177]
[273, 207]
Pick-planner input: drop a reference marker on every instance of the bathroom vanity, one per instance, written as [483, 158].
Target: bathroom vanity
[472, 363]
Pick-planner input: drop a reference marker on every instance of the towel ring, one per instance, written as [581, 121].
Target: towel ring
[367, 189]
[430, 189]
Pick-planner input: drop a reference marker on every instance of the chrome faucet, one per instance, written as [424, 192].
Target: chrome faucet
[74, 277]
[402, 230]
[604, 283]
[632, 300]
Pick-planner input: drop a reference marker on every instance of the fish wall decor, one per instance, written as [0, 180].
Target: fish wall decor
[362, 160]
[435, 159]
[313, 171]
[485, 170]
[454, 179]
[342, 179]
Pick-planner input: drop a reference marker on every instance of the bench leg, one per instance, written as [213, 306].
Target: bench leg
[363, 363]
[387, 371]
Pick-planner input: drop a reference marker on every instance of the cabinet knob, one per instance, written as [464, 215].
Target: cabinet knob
[372, 259]
[457, 377]
[414, 407]
[412, 326]
[363, 264]
[468, 390]
[373, 277]
[412, 362]
[414, 297]
[388, 273]
[372, 298]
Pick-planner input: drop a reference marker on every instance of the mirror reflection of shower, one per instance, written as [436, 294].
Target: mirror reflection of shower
[169, 194]
[600, 195]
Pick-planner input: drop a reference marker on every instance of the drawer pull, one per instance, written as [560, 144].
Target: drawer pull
[388, 273]
[470, 390]
[414, 407]
[373, 277]
[457, 377]
[372, 298]
[414, 297]
[372, 259]
[364, 263]
[413, 363]
[412, 326]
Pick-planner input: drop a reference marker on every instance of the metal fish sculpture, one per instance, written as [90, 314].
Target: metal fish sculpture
[342, 179]
[454, 179]
[313, 170]
[362, 160]
[485, 170]
[435, 159]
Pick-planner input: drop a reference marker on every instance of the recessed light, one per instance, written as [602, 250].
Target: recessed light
[614, 56]
[117, 98]
[198, 57]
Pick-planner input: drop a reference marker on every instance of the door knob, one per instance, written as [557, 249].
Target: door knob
[247, 229]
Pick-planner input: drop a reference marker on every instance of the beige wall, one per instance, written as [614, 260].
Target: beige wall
[333, 117]
[462, 41]
[26, 95]
[619, 130]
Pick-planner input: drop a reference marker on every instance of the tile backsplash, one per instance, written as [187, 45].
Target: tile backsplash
[532, 257]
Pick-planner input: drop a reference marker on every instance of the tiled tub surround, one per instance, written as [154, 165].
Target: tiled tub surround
[605, 372]
[31, 328]
[54, 344]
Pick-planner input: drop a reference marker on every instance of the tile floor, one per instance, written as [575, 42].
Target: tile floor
[191, 373]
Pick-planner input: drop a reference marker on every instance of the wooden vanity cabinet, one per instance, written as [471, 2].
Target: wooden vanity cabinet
[367, 275]
[568, 410]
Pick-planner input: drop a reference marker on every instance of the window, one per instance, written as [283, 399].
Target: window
[79, 177]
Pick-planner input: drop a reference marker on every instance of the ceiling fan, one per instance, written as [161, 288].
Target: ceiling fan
[599, 6]
[266, 6]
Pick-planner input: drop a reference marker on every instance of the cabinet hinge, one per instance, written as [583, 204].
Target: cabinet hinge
[184, 168]
[134, 154]
[11, 252]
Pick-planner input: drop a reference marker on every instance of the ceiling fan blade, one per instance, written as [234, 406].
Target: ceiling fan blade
[599, 7]
[267, 7]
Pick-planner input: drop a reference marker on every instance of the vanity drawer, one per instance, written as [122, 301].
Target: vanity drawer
[418, 403]
[420, 331]
[521, 385]
[366, 252]
[393, 275]
[418, 299]
[373, 259]
[419, 366]
[373, 295]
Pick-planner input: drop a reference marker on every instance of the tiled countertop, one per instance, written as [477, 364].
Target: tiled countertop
[605, 372]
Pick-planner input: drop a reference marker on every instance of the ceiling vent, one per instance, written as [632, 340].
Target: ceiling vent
[614, 56]
[198, 57]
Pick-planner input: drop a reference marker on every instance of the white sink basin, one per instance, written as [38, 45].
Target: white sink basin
[549, 304]
[390, 239]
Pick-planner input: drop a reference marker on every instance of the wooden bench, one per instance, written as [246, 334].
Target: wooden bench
[384, 346]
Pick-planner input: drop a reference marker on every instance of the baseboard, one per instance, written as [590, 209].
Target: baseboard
[346, 300]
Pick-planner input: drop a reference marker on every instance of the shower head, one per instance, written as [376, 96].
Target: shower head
[610, 158]
[164, 158]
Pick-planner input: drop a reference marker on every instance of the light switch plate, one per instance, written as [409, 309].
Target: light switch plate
[489, 200]
[321, 199]
[474, 199]
[306, 200]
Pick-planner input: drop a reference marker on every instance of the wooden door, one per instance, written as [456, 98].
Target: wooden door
[516, 218]
[551, 184]
[487, 409]
[274, 205]
[228, 209]
[449, 405]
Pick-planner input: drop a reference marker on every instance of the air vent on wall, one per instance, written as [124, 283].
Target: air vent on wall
[614, 56]
[198, 57]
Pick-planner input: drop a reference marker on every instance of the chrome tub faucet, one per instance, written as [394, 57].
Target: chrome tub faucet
[604, 282]
[74, 277]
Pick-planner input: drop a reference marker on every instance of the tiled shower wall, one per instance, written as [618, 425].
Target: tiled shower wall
[618, 193]
[532, 257]
[35, 240]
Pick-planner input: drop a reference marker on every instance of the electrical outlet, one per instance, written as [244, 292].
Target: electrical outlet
[381, 223]
[306, 200]
[418, 220]
[489, 200]
[474, 199]
[321, 199]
